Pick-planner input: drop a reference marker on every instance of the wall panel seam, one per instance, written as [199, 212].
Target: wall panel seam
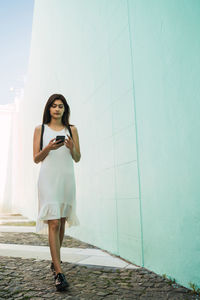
[137, 152]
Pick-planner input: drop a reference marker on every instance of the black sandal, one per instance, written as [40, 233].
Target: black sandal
[61, 282]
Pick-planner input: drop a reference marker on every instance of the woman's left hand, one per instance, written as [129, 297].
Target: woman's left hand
[69, 143]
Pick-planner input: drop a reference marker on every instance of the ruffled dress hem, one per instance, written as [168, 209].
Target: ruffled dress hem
[52, 211]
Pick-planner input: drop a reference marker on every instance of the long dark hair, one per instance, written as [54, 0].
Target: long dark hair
[66, 114]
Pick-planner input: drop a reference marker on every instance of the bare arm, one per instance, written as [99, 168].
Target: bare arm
[76, 154]
[37, 154]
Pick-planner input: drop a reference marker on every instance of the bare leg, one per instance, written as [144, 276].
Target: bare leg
[62, 230]
[54, 242]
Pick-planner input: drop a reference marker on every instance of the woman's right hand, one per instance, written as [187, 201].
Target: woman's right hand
[54, 145]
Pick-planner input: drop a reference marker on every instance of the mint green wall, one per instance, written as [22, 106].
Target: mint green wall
[129, 70]
[165, 44]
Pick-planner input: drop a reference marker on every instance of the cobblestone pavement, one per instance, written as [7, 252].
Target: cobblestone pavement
[32, 279]
[31, 238]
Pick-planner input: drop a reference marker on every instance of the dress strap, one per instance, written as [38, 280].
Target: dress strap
[70, 132]
[41, 137]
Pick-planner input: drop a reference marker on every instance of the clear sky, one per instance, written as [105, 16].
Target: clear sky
[16, 18]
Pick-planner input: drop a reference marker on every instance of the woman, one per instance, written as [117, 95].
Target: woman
[56, 182]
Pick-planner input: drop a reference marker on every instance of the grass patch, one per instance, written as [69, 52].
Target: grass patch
[31, 223]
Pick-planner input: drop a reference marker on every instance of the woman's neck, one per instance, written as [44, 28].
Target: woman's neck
[55, 123]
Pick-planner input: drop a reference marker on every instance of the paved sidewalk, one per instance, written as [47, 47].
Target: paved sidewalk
[31, 278]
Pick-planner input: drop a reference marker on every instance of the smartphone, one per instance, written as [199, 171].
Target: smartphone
[61, 138]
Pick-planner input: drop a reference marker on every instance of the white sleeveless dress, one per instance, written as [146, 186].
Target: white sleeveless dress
[56, 185]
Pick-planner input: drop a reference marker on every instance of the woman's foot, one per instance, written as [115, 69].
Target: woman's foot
[61, 282]
[53, 269]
